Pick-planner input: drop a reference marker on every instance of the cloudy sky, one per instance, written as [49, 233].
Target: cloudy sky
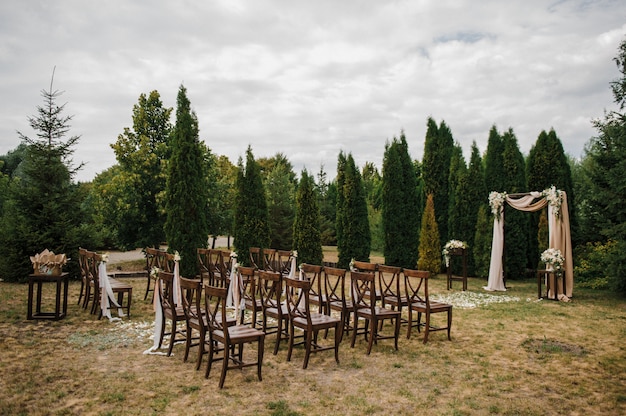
[311, 78]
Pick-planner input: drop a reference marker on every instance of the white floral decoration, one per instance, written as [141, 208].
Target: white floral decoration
[554, 258]
[496, 202]
[104, 257]
[352, 265]
[450, 245]
[154, 272]
[176, 256]
[233, 254]
[555, 198]
[295, 253]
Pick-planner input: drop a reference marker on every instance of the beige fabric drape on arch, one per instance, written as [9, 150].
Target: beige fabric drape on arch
[559, 238]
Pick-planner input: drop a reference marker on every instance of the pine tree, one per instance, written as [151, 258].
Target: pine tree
[280, 201]
[477, 196]
[356, 238]
[400, 206]
[251, 227]
[494, 163]
[187, 224]
[306, 227]
[42, 209]
[430, 247]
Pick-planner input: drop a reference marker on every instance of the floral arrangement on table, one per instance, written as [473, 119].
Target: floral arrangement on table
[496, 202]
[555, 198]
[451, 245]
[552, 257]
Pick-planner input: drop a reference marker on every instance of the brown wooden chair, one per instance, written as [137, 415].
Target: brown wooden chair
[269, 259]
[83, 265]
[270, 292]
[151, 262]
[203, 261]
[317, 290]
[191, 290]
[335, 289]
[416, 282]
[251, 295]
[364, 306]
[119, 288]
[282, 261]
[367, 267]
[172, 311]
[300, 316]
[229, 340]
[391, 286]
[256, 260]
[451, 277]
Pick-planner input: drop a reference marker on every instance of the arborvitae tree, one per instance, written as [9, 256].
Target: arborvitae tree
[606, 170]
[224, 189]
[400, 205]
[547, 165]
[187, 225]
[356, 238]
[482, 242]
[42, 209]
[515, 221]
[141, 153]
[494, 163]
[340, 200]
[280, 202]
[435, 170]
[306, 227]
[430, 248]
[372, 184]
[543, 231]
[457, 210]
[327, 201]
[251, 227]
[477, 196]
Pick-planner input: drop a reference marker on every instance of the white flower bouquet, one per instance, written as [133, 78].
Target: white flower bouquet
[496, 202]
[553, 258]
[555, 198]
[451, 245]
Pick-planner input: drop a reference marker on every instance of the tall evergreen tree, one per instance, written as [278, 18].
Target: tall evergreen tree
[400, 205]
[606, 169]
[430, 248]
[435, 170]
[141, 153]
[251, 227]
[481, 250]
[187, 225]
[515, 221]
[355, 242]
[477, 196]
[306, 227]
[327, 202]
[340, 199]
[42, 209]
[372, 184]
[280, 201]
[494, 163]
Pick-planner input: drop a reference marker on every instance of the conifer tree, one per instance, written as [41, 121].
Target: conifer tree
[355, 242]
[477, 196]
[42, 209]
[494, 163]
[436, 169]
[481, 249]
[280, 201]
[187, 225]
[430, 247]
[400, 205]
[251, 227]
[306, 227]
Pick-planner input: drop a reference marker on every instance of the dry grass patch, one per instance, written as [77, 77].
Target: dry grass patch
[515, 357]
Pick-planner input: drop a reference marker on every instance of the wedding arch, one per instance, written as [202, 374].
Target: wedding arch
[558, 229]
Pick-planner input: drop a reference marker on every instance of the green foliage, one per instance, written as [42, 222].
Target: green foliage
[494, 163]
[516, 222]
[438, 148]
[280, 192]
[136, 213]
[251, 228]
[306, 227]
[430, 248]
[223, 196]
[41, 207]
[187, 225]
[354, 241]
[401, 206]
[592, 260]
[474, 197]
[481, 249]
[372, 183]
[542, 232]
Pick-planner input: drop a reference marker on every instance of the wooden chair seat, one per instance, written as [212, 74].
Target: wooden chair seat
[416, 283]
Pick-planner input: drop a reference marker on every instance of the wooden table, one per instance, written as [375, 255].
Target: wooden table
[551, 280]
[60, 305]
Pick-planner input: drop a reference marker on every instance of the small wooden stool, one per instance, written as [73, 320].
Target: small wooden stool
[60, 308]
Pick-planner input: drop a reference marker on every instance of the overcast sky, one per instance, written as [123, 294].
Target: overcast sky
[311, 78]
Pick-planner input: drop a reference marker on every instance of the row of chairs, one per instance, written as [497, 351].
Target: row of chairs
[90, 289]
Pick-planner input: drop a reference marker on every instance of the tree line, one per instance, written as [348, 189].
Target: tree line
[169, 186]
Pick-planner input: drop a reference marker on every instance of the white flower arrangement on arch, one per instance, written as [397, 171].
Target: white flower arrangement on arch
[451, 245]
[555, 198]
[496, 202]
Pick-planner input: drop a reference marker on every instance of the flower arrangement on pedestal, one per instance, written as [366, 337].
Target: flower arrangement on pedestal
[553, 258]
[450, 245]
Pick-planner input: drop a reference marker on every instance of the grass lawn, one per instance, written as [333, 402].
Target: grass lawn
[510, 354]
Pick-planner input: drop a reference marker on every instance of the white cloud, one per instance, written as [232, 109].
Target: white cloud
[311, 78]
